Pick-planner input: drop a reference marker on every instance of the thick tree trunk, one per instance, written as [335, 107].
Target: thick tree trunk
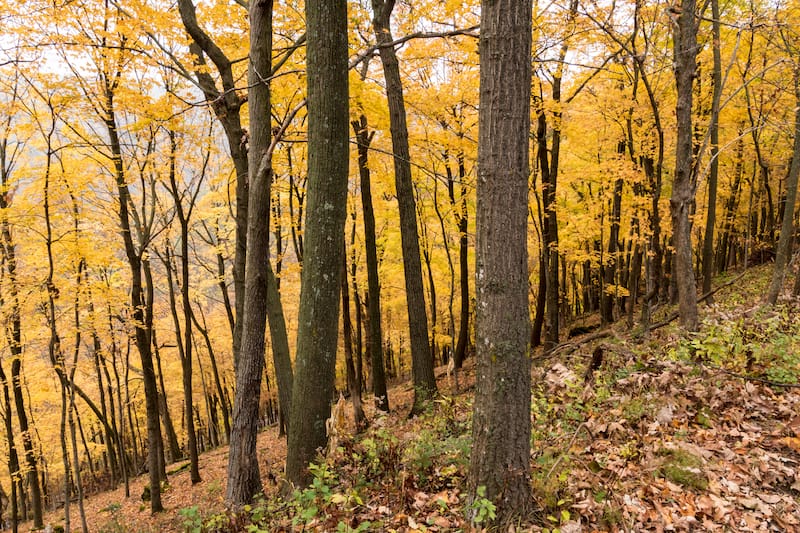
[375, 344]
[500, 459]
[683, 187]
[318, 317]
[421, 356]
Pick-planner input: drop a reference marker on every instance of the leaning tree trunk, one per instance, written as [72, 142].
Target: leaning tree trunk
[318, 316]
[421, 356]
[500, 460]
[683, 187]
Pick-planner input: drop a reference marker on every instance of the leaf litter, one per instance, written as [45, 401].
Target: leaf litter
[655, 441]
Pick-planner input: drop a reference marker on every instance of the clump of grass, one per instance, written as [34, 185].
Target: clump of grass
[682, 468]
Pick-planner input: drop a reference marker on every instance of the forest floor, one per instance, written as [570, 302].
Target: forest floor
[670, 433]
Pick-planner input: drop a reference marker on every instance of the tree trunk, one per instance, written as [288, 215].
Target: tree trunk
[226, 105]
[185, 344]
[363, 139]
[142, 318]
[13, 458]
[223, 405]
[711, 211]
[463, 266]
[784, 250]
[500, 459]
[613, 263]
[163, 406]
[318, 316]
[683, 187]
[353, 384]
[421, 356]
[281, 358]
[14, 338]
[244, 479]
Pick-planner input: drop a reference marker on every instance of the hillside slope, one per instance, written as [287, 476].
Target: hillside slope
[670, 433]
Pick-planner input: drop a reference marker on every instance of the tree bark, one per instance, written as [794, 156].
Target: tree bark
[711, 211]
[784, 251]
[244, 479]
[500, 459]
[363, 139]
[353, 383]
[318, 317]
[226, 105]
[683, 187]
[421, 356]
[142, 318]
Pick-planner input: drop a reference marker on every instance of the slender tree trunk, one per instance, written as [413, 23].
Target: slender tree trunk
[281, 357]
[500, 460]
[711, 211]
[613, 263]
[421, 356]
[14, 338]
[226, 105]
[729, 218]
[163, 406]
[215, 372]
[318, 317]
[461, 215]
[364, 138]
[186, 343]
[244, 480]
[142, 318]
[353, 384]
[13, 457]
[784, 250]
[683, 187]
